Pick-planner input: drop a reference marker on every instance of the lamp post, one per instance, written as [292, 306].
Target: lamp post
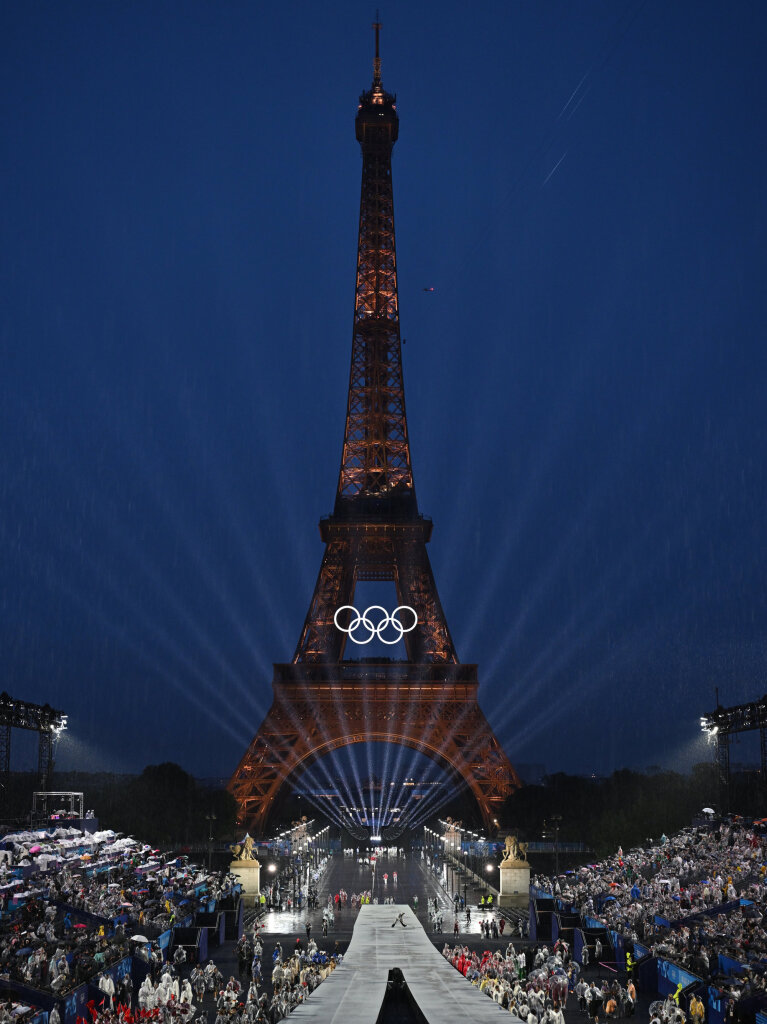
[210, 818]
[489, 868]
[557, 818]
[553, 826]
[271, 868]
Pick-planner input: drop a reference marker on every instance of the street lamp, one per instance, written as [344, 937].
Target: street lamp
[210, 818]
[488, 870]
[555, 820]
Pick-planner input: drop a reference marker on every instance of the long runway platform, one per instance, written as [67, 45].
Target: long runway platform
[354, 993]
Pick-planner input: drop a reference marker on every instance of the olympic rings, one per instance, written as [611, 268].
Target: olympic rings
[375, 630]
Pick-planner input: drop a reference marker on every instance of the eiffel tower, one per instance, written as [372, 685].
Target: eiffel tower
[427, 702]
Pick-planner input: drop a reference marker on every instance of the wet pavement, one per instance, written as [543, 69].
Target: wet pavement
[414, 879]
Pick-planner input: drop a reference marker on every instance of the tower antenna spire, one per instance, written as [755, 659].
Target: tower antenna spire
[377, 60]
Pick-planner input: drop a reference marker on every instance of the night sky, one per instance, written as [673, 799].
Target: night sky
[583, 187]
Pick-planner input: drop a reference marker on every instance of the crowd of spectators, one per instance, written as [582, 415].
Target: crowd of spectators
[690, 898]
[74, 903]
[681, 897]
[71, 903]
[531, 983]
[203, 995]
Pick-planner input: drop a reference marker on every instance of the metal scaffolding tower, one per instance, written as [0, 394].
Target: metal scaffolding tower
[722, 723]
[46, 721]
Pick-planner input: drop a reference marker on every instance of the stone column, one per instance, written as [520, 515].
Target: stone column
[248, 873]
[515, 879]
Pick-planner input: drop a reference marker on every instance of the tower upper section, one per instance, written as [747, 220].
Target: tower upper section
[377, 122]
[376, 476]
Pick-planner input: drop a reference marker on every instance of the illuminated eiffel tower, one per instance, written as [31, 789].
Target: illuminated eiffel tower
[429, 701]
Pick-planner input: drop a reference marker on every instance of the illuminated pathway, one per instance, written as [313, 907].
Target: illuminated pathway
[354, 992]
[345, 873]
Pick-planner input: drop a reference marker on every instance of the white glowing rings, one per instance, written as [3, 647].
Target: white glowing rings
[375, 629]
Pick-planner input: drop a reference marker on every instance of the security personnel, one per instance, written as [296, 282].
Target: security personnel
[630, 962]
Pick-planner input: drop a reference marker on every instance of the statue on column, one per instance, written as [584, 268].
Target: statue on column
[515, 852]
[244, 850]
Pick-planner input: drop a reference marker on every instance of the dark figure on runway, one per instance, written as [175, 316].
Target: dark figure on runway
[398, 919]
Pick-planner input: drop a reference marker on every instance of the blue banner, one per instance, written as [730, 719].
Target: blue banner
[729, 966]
[717, 1004]
[74, 1005]
[670, 975]
[163, 942]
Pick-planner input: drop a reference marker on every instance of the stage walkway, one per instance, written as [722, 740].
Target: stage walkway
[354, 992]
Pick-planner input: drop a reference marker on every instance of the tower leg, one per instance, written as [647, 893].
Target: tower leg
[5, 762]
[320, 640]
[723, 766]
[45, 760]
[5, 752]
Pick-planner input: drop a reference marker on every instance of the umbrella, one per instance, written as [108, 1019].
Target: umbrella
[80, 926]
[35, 849]
[139, 938]
[708, 810]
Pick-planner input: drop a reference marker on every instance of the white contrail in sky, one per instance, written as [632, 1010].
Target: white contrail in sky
[573, 94]
[554, 168]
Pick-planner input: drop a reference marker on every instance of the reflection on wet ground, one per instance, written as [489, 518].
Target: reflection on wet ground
[414, 879]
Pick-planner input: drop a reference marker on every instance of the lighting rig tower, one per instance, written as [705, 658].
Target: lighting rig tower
[46, 721]
[719, 725]
[429, 701]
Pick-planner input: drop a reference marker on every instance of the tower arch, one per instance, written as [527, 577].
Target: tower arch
[318, 709]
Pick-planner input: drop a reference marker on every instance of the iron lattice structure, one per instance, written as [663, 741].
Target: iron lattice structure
[46, 721]
[321, 702]
[725, 722]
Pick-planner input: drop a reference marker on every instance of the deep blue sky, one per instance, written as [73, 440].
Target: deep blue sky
[585, 386]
